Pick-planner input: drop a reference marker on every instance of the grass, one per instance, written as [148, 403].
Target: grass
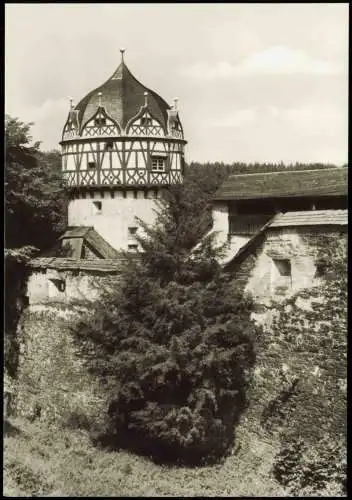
[44, 461]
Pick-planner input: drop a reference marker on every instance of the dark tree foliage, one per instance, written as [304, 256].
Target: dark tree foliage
[35, 205]
[175, 343]
[14, 284]
[34, 197]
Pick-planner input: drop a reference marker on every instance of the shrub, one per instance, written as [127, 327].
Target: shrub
[310, 469]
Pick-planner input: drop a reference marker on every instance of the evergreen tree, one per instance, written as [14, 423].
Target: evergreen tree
[174, 343]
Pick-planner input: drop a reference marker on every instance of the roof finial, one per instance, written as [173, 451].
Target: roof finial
[175, 102]
[145, 98]
[71, 102]
[122, 50]
[99, 96]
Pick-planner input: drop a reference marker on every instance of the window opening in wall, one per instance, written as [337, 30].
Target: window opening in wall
[60, 284]
[132, 231]
[133, 247]
[91, 164]
[158, 163]
[98, 206]
[283, 266]
[109, 146]
[320, 270]
[100, 121]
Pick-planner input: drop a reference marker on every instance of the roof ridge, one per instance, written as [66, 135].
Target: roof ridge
[287, 171]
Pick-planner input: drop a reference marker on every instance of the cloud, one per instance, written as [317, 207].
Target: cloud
[237, 118]
[277, 60]
[49, 119]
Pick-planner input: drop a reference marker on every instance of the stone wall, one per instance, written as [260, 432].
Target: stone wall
[298, 390]
[53, 383]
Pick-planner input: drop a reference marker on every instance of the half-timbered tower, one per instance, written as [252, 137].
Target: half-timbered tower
[121, 145]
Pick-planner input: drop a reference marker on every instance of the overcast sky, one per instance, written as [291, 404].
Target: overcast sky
[255, 82]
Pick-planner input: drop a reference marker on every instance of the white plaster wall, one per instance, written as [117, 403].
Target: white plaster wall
[220, 215]
[78, 286]
[283, 244]
[117, 215]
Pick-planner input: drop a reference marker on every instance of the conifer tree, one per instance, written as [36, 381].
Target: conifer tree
[174, 343]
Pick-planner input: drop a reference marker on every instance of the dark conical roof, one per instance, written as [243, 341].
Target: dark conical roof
[122, 96]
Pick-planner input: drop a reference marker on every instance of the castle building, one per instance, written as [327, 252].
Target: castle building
[121, 145]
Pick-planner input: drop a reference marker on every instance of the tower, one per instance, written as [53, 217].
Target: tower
[121, 145]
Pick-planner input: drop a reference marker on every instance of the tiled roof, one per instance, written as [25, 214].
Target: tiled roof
[103, 265]
[76, 232]
[289, 184]
[288, 219]
[72, 243]
[122, 97]
[311, 218]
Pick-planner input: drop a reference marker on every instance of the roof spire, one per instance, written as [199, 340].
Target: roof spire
[145, 98]
[175, 102]
[71, 103]
[122, 50]
[99, 96]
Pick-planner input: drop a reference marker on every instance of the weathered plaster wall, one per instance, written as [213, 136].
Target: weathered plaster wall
[116, 215]
[298, 391]
[220, 215]
[292, 244]
[43, 287]
[53, 383]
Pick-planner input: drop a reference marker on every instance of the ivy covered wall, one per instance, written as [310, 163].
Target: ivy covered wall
[298, 392]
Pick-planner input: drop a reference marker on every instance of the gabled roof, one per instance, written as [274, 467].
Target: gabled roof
[285, 184]
[311, 218]
[75, 240]
[288, 219]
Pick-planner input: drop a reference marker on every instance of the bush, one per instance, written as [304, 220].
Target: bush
[174, 345]
[310, 470]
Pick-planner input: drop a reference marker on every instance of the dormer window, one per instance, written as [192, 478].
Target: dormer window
[91, 164]
[158, 163]
[100, 121]
[146, 121]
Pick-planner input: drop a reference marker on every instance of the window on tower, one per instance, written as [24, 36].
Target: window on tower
[109, 146]
[97, 207]
[132, 231]
[91, 164]
[158, 163]
[146, 121]
[100, 121]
